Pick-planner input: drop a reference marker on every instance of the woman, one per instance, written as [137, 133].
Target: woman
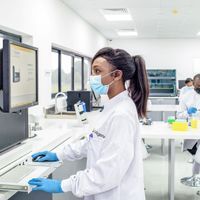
[114, 157]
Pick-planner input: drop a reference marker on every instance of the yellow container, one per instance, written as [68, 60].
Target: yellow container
[198, 123]
[179, 126]
[194, 123]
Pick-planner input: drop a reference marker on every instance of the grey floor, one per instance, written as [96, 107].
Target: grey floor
[156, 174]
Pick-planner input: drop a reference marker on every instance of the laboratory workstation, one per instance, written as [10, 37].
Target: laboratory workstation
[99, 100]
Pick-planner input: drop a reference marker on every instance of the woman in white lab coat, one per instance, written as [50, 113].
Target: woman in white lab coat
[189, 105]
[114, 168]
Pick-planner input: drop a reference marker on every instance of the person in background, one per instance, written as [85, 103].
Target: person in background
[188, 87]
[190, 105]
[114, 168]
[190, 102]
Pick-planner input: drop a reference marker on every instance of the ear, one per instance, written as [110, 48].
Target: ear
[118, 75]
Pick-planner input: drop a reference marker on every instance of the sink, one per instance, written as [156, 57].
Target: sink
[60, 116]
[50, 113]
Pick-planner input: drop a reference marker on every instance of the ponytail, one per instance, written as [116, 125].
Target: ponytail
[133, 69]
[139, 86]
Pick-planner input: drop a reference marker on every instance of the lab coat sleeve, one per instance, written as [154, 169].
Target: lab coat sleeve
[74, 151]
[115, 158]
[182, 110]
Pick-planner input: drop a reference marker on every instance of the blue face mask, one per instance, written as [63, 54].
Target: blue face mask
[97, 86]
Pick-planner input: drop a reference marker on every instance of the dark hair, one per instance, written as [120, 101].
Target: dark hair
[133, 69]
[196, 76]
[188, 80]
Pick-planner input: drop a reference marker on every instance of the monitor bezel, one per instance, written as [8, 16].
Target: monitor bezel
[6, 76]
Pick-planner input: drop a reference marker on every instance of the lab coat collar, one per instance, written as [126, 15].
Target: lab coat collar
[115, 100]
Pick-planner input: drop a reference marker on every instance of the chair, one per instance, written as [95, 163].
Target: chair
[194, 180]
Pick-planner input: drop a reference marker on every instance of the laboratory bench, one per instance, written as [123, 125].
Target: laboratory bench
[161, 107]
[18, 167]
[161, 130]
[58, 132]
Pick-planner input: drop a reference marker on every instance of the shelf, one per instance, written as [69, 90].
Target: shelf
[162, 88]
[167, 78]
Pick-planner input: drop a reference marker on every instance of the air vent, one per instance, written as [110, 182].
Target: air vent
[127, 30]
[116, 14]
[116, 11]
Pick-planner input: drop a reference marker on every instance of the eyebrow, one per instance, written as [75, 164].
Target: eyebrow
[96, 66]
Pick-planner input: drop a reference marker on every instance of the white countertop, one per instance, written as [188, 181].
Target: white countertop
[164, 108]
[161, 130]
[176, 97]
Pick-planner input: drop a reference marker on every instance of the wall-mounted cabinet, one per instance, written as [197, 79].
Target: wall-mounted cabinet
[162, 82]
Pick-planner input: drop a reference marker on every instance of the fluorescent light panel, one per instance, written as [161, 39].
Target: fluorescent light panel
[118, 17]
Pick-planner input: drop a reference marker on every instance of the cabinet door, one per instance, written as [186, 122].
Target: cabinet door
[163, 101]
[67, 169]
[159, 115]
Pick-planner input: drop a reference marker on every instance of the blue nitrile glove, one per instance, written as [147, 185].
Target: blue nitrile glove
[46, 185]
[191, 110]
[44, 156]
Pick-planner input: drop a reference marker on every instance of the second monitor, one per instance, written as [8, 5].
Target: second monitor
[75, 96]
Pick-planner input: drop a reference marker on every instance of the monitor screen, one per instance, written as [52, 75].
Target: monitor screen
[181, 83]
[20, 76]
[14, 129]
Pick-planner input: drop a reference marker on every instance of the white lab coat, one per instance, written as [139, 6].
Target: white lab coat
[190, 99]
[184, 90]
[114, 156]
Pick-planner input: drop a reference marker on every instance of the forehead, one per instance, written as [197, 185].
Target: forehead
[197, 81]
[101, 63]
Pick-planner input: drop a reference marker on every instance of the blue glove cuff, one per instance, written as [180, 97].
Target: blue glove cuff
[55, 157]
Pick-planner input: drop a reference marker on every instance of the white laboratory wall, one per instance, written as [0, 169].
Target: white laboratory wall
[180, 54]
[49, 22]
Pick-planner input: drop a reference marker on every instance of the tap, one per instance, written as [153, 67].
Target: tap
[56, 97]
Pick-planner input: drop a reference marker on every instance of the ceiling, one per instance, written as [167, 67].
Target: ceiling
[151, 18]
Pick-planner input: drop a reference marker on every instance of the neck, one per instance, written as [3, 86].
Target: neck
[115, 90]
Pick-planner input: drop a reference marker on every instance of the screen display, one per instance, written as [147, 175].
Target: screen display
[14, 129]
[23, 89]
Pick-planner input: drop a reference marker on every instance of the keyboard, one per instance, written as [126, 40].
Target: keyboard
[17, 174]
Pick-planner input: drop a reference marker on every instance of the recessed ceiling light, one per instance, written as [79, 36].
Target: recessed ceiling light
[198, 34]
[174, 11]
[116, 14]
[127, 32]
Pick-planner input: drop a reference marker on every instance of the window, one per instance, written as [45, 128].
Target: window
[70, 71]
[54, 72]
[86, 72]
[66, 72]
[78, 73]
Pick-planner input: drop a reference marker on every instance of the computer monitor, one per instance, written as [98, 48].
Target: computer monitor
[19, 76]
[181, 83]
[74, 96]
[13, 129]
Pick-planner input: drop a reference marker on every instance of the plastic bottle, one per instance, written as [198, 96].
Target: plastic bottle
[194, 121]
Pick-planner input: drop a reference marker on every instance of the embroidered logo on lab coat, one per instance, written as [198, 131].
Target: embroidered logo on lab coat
[97, 134]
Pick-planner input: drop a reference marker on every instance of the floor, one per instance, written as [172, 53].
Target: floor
[155, 172]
